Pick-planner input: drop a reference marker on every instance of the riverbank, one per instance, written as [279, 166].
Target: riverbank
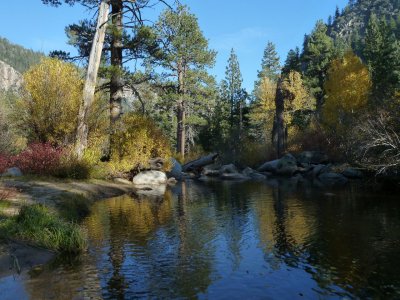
[70, 200]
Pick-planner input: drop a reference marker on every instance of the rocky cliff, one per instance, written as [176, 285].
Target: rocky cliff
[10, 79]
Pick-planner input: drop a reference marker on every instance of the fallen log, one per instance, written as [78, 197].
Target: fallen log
[198, 164]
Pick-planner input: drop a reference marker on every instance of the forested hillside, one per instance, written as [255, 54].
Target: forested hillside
[350, 24]
[17, 56]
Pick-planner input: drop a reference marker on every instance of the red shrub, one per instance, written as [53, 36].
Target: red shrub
[40, 159]
[4, 162]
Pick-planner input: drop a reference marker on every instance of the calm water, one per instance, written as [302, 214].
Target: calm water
[231, 241]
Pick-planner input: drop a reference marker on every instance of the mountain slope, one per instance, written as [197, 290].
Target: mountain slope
[17, 56]
[355, 16]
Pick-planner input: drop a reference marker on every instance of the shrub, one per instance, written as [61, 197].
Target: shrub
[48, 108]
[70, 166]
[136, 140]
[36, 225]
[38, 159]
[378, 142]
[4, 162]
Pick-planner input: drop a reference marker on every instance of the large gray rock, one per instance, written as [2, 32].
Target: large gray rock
[312, 157]
[176, 170]
[320, 169]
[253, 174]
[287, 165]
[233, 176]
[211, 171]
[13, 172]
[150, 178]
[269, 166]
[228, 169]
[352, 173]
[332, 179]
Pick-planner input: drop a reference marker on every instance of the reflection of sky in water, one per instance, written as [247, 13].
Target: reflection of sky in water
[235, 241]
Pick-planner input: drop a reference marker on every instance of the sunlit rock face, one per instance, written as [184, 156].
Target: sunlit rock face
[10, 79]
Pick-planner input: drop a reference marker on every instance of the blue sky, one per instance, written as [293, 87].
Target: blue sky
[246, 26]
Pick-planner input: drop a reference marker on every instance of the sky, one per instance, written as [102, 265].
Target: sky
[245, 26]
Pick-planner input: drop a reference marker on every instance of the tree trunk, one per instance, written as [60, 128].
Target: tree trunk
[181, 132]
[181, 115]
[280, 120]
[116, 84]
[200, 163]
[91, 78]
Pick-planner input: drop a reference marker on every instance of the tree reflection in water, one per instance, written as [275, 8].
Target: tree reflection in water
[235, 240]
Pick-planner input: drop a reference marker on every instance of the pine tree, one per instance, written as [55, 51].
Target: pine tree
[186, 57]
[232, 84]
[382, 54]
[317, 55]
[293, 62]
[270, 66]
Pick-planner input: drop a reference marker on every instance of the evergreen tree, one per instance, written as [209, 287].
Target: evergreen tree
[293, 62]
[382, 54]
[186, 56]
[317, 55]
[270, 66]
[232, 85]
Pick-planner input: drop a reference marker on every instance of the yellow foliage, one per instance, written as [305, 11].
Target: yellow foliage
[263, 109]
[347, 90]
[50, 103]
[296, 96]
[136, 140]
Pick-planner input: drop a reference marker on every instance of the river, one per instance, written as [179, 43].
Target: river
[229, 240]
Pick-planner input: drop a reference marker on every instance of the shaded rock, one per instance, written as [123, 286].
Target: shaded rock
[228, 169]
[257, 176]
[287, 165]
[247, 171]
[13, 172]
[320, 169]
[233, 176]
[172, 181]
[189, 175]
[253, 174]
[198, 164]
[156, 163]
[312, 157]
[150, 178]
[176, 170]
[211, 170]
[331, 179]
[352, 173]
[269, 166]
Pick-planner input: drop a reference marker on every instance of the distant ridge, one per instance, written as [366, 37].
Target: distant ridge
[353, 19]
[18, 57]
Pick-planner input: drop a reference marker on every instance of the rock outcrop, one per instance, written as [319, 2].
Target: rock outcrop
[10, 79]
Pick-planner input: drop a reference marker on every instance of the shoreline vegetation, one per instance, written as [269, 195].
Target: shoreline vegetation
[45, 212]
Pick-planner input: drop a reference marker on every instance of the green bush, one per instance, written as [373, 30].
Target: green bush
[36, 225]
[73, 168]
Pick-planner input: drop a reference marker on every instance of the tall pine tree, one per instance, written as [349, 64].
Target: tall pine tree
[317, 55]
